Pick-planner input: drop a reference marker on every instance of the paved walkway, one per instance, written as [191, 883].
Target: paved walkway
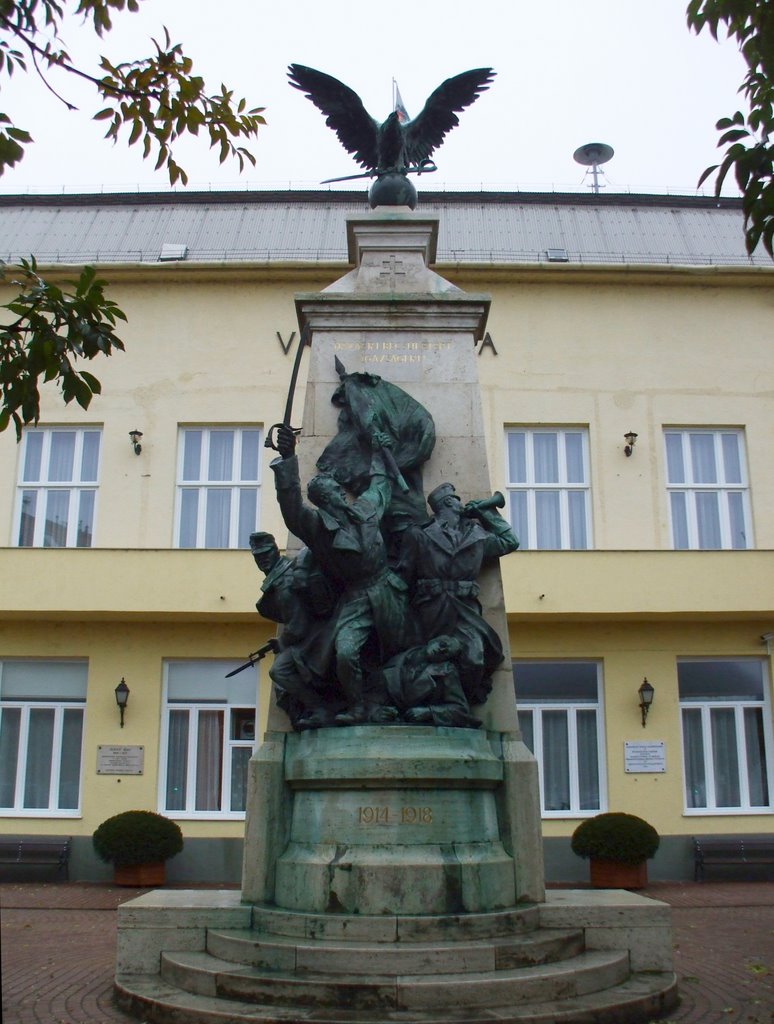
[58, 948]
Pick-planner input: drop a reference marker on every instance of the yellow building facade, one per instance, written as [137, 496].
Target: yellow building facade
[656, 564]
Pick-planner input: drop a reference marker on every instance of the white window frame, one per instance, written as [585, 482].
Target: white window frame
[18, 810]
[571, 708]
[691, 489]
[194, 708]
[235, 484]
[43, 487]
[706, 706]
[531, 487]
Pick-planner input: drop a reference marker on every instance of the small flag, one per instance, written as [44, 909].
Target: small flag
[397, 104]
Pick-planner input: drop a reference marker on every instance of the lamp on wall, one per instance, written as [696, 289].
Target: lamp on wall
[122, 698]
[645, 693]
[630, 437]
[134, 440]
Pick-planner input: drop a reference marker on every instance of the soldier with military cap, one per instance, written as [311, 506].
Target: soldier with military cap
[296, 594]
[441, 563]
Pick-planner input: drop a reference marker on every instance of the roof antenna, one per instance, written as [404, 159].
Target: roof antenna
[593, 155]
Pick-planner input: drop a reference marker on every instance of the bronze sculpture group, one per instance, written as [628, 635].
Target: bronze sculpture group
[380, 612]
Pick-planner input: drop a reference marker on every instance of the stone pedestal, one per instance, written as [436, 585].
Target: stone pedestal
[393, 316]
[393, 820]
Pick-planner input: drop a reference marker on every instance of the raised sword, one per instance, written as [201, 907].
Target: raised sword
[270, 441]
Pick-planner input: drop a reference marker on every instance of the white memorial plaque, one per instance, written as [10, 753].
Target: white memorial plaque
[118, 760]
[644, 757]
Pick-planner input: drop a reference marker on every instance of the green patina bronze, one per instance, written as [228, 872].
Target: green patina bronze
[398, 146]
[381, 612]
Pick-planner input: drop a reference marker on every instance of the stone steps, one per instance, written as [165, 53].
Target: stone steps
[635, 1001]
[207, 975]
[579, 958]
[396, 928]
[280, 952]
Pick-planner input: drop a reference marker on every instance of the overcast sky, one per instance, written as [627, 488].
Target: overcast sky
[624, 72]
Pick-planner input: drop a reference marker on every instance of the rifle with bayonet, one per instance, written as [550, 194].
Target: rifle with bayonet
[270, 647]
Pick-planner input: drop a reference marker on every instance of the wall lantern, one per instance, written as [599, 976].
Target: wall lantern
[134, 440]
[630, 437]
[122, 698]
[645, 692]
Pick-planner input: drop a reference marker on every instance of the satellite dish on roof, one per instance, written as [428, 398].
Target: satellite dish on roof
[593, 155]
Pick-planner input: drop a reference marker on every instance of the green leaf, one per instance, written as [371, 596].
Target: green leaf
[706, 174]
[136, 132]
[733, 136]
[92, 382]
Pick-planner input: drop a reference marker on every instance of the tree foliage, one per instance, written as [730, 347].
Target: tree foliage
[156, 100]
[52, 328]
[748, 138]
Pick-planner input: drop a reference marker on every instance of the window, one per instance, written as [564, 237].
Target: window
[41, 730]
[559, 715]
[548, 488]
[726, 735]
[209, 735]
[707, 485]
[58, 488]
[218, 481]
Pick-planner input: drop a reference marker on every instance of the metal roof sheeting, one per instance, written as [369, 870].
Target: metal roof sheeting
[497, 228]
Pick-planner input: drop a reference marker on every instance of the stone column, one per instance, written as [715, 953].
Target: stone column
[393, 316]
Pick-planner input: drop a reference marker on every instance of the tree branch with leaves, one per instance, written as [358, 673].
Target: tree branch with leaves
[51, 329]
[157, 99]
[750, 152]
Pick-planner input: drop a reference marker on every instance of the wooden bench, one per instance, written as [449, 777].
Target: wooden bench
[34, 850]
[733, 850]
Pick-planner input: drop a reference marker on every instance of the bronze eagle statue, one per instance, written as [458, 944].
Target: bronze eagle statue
[396, 146]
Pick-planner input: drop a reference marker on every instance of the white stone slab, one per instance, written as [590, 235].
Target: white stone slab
[650, 948]
[138, 950]
[186, 908]
[601, 908]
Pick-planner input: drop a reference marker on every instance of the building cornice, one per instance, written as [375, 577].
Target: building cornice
[349, 196]
[484, 275]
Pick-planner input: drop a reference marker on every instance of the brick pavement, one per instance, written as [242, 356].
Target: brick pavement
[723, 934]
[58, 949]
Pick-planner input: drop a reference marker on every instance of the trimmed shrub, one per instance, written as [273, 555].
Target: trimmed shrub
[137, 837]
[615, 836]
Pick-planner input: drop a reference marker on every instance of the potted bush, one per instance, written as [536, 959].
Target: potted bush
[619, 847]
[138, 843]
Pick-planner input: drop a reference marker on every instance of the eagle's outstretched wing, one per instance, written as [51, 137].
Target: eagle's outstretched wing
[439, 114]
[344, 112]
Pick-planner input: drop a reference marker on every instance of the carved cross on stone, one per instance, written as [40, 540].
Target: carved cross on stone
[391, 271]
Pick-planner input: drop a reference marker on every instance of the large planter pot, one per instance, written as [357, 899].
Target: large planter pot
[140, 875]
[611, 874]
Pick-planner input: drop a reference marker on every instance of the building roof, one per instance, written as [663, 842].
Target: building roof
[475, 227]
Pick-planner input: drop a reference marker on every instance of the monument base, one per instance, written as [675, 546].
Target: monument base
[205, 956]
[385, 820]
[392, 820]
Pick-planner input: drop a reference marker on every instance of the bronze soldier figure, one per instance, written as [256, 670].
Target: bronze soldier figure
[347, 543]
[296, 594]
[441, 562]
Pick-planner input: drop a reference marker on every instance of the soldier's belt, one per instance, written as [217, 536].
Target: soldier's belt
[460, 588]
